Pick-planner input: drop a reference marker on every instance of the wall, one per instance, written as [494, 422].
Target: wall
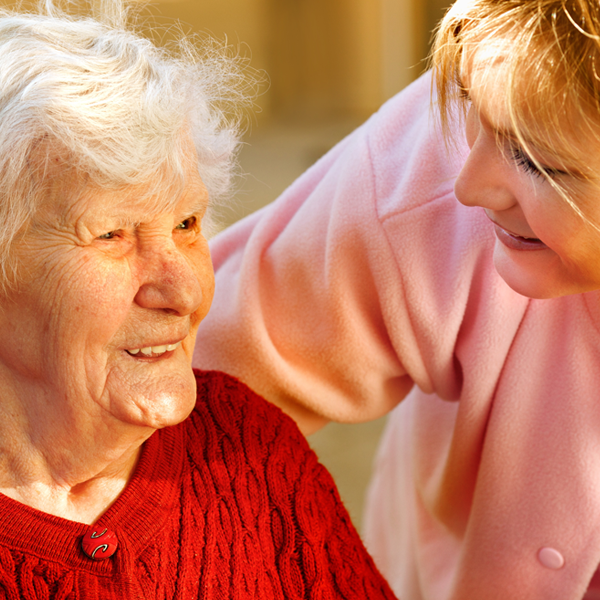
[323, 57]
[333, 57]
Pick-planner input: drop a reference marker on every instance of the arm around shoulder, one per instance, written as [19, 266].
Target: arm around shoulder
[305, 289]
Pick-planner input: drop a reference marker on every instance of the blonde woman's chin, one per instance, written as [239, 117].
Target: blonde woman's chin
[540, 274]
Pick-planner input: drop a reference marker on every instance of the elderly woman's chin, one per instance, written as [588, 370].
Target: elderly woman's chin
[153, 396]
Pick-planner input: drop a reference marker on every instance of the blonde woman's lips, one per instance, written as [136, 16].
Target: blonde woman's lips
[153, 351]
[517, 242]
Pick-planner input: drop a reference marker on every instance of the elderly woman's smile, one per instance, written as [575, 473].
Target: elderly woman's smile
[153, 351]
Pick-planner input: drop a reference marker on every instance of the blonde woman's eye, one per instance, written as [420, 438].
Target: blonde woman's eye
[187, 224]
[463, 92]
[109, 235]
[522, 160]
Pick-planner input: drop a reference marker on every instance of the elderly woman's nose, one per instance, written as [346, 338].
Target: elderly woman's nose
[168, 282]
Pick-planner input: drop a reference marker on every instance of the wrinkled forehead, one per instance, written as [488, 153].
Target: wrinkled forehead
[67, 188]
[71, 205]
[132, 204]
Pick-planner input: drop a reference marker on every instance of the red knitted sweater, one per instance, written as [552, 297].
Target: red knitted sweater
[230, 504]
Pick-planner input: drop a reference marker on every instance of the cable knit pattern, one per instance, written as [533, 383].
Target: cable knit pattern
[231, 504]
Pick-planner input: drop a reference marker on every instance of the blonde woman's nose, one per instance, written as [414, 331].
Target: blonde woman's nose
[486, 177]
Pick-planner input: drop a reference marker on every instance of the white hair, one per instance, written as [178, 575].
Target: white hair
[112, 102]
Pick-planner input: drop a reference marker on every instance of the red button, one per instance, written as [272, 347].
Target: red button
[99, 543]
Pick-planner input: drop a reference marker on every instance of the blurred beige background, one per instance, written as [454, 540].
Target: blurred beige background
[331, 63]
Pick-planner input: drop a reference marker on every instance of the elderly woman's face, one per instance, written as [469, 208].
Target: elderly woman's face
[111, 293]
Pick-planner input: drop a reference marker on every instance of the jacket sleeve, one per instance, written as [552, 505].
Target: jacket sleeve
[308, 288]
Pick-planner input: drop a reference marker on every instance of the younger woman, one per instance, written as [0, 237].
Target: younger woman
[461, 277]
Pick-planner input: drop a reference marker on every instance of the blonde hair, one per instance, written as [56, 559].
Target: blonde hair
[112, 102]
[550, 51]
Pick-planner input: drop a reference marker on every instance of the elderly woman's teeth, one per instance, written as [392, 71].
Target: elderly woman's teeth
[154, 350]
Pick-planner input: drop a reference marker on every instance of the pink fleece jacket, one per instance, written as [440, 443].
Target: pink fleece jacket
[367, 283]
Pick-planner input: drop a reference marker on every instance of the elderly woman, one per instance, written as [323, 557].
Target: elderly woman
[123, 473]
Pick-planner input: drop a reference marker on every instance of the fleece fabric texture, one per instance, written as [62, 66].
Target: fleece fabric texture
[367, 284]
[229, 505]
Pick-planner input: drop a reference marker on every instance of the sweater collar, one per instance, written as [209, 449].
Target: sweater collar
[136, 516]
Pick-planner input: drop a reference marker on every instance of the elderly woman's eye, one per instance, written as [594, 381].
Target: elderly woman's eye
[109, 235]
[187, 223]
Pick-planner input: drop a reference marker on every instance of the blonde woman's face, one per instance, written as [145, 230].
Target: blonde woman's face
[543, 248]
